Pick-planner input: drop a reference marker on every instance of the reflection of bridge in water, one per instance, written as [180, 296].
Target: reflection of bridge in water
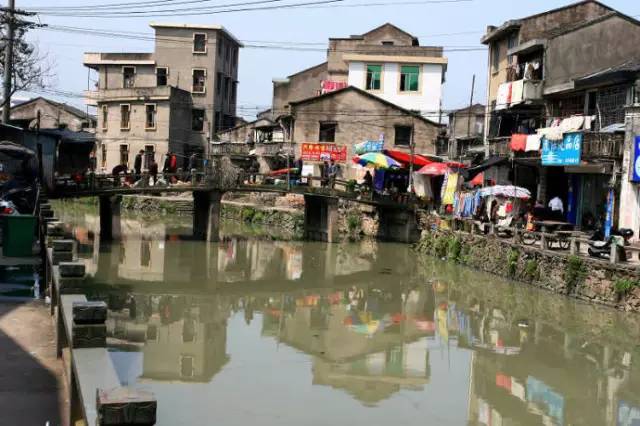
[397, 220]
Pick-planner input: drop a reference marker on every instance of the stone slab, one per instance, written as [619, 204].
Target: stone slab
[58, 257]
[46, 213]
[63, 245]
[89, 336]
[126, 406]
[71, 269]
[89, 312]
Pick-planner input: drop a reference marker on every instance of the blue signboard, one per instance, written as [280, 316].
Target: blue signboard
[565, 153]
[635, 177]
[608, 220]
[369, 146]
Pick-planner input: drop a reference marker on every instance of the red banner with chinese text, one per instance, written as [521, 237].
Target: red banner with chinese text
[324, 152]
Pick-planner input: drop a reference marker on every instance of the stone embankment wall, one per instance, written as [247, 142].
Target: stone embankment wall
[582, 278]
[286, 221]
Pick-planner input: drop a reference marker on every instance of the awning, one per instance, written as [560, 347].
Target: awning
[418, 159]
[472, 172]
[434, 169]
[15, 151]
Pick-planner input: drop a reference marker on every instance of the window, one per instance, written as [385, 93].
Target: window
[197, 120]
[388, 43]
[125, 116]
[150, 116]
[219, 83]
[199, 43]
[187, 366]
[128, 77]
[105, 117]
[495, 57]
[124, 155]
[104, 155]
[220, 47]
[403, 135]
[374, 77]
[409, 76]
[149, 155]
[162, 76]
[327, 131]
[512, 42]
[199, 78]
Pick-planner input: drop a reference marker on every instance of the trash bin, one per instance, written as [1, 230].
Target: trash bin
[18, 234]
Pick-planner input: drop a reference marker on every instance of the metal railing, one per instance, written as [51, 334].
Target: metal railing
[565, 242]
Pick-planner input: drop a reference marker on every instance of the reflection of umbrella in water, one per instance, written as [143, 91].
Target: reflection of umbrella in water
[376, 160]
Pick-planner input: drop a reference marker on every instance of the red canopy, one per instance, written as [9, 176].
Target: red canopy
[403, 157]
[434, 169]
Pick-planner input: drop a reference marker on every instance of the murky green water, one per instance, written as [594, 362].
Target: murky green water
[259, 332]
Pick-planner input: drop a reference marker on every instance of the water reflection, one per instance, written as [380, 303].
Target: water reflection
[253, 331]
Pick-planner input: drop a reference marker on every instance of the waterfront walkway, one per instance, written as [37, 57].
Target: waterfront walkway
[31, 387]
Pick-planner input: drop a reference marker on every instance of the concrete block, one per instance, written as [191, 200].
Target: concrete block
[63, 245]
[46, 213]
[45, 206]
[71, 269]
[126, 406]
[55, 229]
[58, 257]
[89, 336]
[89, 312]
[72, 285]
[50, 219]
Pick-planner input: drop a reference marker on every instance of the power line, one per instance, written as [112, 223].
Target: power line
[217, 10]
[138, 5]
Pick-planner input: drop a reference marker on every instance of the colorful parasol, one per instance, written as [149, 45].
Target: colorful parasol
[377, 160]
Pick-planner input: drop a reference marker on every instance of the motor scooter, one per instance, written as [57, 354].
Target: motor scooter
[600, 247]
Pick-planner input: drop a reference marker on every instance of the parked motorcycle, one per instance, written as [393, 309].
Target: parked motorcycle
[600, 247]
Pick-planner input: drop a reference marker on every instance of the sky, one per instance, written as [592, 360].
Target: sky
[451, 24]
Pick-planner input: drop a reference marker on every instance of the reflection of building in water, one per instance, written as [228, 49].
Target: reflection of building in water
[141, 251]
[181, 338]
[369, 342]
[548, 377]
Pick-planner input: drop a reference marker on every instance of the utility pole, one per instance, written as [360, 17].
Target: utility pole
[8, 62]
[473, 87]
[412, 146]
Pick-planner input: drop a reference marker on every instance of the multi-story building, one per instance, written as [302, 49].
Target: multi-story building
[386, 61]
[173, 99]
[557, 79]
[466, 132]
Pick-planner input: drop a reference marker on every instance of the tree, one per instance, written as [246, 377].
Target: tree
[30, 69]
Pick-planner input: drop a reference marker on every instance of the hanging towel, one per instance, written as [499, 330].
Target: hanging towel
[504, 96]
[533, 143]
[517, 92]
[551, 133]
[518, 142]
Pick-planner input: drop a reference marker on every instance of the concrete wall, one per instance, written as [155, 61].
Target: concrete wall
[629, 216]
[51, 116]
[111, 76]
[426, 100]
[461, 127]
[590, 49]
[303, 85]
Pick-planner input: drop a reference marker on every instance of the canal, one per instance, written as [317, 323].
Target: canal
[256, 331]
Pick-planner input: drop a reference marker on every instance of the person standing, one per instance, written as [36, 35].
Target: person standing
[557, 208]
[166, 167]
[368, 181]
[153, 171]
[137, 164]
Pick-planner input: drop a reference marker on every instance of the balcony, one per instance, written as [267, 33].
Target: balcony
[273, 149]
[93, 97]
[602, 145]
[228, 148]
[526, 92]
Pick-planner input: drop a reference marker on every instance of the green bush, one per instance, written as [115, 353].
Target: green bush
[441, 247]
[258, 217]
[351, 185]
[575, 273]
[531, 270]
[354, 222]
[454, 248]
[247, 214]
[623, 287]
[512, 262]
